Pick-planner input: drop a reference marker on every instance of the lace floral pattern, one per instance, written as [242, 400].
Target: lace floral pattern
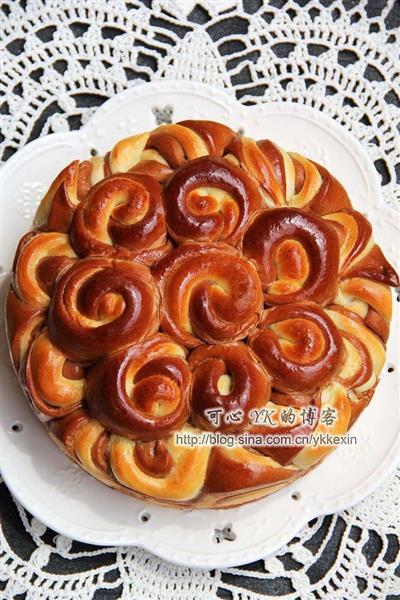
[61, 61]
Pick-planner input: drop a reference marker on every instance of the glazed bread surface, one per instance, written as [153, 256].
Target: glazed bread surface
[188, 273]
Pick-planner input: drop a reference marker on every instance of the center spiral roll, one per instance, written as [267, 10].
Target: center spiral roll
[209, 200]
[209, 293]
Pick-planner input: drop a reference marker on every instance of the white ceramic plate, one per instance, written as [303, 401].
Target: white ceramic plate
[65, 498]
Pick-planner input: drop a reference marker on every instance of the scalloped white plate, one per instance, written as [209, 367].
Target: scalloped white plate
[65, 498]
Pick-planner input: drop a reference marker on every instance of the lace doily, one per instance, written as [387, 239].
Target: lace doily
[61, 61]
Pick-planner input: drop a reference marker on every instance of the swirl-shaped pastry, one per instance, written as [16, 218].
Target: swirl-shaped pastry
[157, 153]
[288, 178]
[296, 254]
[160, 470]
[121, 216]
[141, 392]
[192, 285]
[364, 357]
[209, 200]
[56, 209]
[209, 293]
[226, 377]
[100, 306]
[182, 482]
[84, 440]
[333, 397]
[300, 347]
[365, 274]
[354, 232]
[285, 179]
[357, 370]
[174, 144]
[22, 321]
[39, 260]
[164, 149]
[55, 384]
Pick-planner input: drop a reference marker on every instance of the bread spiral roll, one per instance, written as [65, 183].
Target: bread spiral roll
[40, 258]
[188, 293]
[209, 200]
[354, 232]
[300, 347]
[364, 357]
[296, 254]
[164, 472]
[181, 483]
[141, 392]
[55, 384]
[365, 274]
[162, 150]
[85, 441]
[288, 179]
[184, 141]
[334, 397]
[100, 306]
[122, 216]
[226, 377]
[209, 293]
[22, 321]
[56, 209]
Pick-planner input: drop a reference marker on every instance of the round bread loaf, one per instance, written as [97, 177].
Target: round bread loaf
[196, 282]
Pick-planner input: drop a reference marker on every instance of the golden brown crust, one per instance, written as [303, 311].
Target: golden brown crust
[209, 293]
[296, 254]
[101, 305]
[299, 346]
[247, 385]
[121, 216]
[190, 272]
[141, 392]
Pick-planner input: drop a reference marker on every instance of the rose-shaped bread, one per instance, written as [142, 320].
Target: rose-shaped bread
[194, 283]
[101, 305]
[121, 216]
[141, 392]
[296, 255]
[209, 200]
[299, 345]
[228, 377]
[209, 293]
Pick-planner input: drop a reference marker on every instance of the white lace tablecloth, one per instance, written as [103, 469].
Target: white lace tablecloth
[62, 60]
